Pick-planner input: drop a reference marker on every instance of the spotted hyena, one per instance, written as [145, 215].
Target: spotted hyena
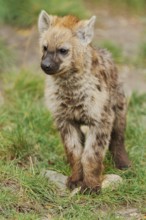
[82, 88]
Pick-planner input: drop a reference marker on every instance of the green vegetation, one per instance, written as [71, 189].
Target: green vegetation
[136, 7]
[141, 59]
[29, 143]
[6, 59]
[25, 13]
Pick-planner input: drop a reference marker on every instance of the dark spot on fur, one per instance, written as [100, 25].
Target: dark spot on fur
[120, 107]
[79, 107]
[63, 105]
[83, 98]
[82, 138]
[104, 76]
[97, 76]
[98, 87]
[74, 69]
[105, 109]
[92, 98]
[114, 108]
[96, 153]
[102, 139]
[95, 62]
[100, 143]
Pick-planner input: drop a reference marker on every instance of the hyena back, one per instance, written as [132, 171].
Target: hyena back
[82, 88]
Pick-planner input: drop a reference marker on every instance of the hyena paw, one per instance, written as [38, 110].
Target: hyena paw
[121, 160]
[73, 183]
[123, 163]
[86, 189]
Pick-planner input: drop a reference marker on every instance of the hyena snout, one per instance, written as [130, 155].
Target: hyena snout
[49, 66]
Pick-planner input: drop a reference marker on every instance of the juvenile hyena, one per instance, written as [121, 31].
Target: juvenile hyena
[82, 88]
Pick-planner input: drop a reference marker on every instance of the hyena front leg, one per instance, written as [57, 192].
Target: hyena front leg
[73, 139]
[117, 145]
[93, 155]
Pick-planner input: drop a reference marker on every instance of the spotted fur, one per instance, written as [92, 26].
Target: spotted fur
[83, 91]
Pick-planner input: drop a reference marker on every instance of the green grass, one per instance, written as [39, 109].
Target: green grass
[30, 143]
[136, 7]
[25, 13]
[141, 57]
[139, 60]
[6, 55]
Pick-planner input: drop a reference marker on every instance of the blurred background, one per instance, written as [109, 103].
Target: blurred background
[120, 28]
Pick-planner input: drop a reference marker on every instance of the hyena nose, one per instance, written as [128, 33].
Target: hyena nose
[49, 68]
[45, 66]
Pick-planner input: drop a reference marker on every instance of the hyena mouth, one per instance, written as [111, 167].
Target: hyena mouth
[50, 72]
[50, 69]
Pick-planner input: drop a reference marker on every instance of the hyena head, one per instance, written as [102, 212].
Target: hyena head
[63, 42]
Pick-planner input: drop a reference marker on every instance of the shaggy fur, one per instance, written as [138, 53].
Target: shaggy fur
[82, 88]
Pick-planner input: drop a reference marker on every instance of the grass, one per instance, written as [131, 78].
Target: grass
[141, 58]
[127, 7]
[138, 60]
[5, 55]
[25, 13]
[30, 143]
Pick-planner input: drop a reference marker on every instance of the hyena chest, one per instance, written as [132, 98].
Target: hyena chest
[83, 105]
[73, 106]
[82, 102]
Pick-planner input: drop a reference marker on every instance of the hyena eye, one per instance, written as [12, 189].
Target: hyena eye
[45, 48]
[63, 51]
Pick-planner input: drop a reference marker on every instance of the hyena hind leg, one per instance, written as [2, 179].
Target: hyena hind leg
[117, 145]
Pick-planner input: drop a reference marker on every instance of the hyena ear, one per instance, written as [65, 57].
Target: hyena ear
[85, 30]
[44, 21]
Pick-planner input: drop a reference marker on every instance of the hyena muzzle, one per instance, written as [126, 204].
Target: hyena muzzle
[82, 89]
